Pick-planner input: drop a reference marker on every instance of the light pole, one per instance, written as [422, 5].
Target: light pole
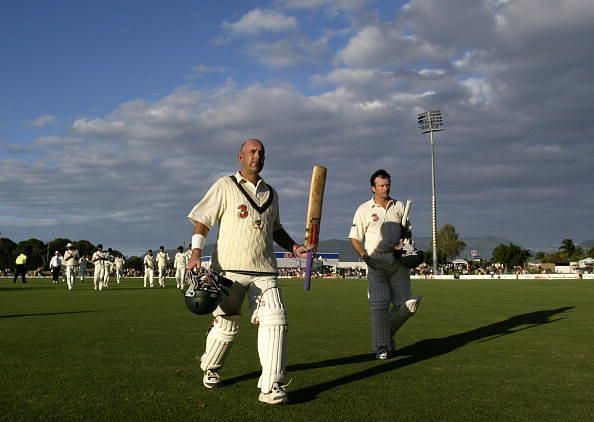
[429, 122]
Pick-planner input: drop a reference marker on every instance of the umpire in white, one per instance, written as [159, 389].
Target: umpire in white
[376, 234]
[246, 209]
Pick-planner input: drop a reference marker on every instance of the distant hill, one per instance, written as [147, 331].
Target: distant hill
[587, 244]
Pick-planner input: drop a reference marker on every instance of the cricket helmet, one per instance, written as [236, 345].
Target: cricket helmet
[411, 257]
[412, 260]
[204, 292]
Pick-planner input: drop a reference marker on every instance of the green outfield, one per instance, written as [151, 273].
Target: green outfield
[476, 350]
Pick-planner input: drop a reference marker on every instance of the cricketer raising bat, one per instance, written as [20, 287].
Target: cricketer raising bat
[314, 217]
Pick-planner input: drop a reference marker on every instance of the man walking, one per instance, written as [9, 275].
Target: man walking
[377, 236]
[20, 268]
[162, 262]
[98, 259]
[180, 263]
[71, 263]
[55, 267]
[246, 210]
[149, 268]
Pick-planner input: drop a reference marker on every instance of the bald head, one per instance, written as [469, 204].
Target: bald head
[251, 158]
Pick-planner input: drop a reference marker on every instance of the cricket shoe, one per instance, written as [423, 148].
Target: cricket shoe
[277, 395]
[211, 378]
[382, 353]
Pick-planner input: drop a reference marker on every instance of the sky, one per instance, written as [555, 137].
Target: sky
[117, 116]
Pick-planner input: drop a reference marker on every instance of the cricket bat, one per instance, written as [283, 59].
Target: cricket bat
[406, 212]
[314, 217]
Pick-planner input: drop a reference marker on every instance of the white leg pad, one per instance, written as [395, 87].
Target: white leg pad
[380, 333]
[272, 339]
[219, 340]
[401, 314]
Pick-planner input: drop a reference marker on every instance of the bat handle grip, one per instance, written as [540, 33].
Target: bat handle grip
[308, 268]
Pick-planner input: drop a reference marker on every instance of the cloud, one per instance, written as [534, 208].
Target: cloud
[42, 121]
[258, 21]
[515, 157]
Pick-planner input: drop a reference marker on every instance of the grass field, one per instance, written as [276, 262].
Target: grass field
[477, 350]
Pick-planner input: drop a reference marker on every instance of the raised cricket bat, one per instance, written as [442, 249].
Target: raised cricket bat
[405, 215]
[314, 217]
[406, 212]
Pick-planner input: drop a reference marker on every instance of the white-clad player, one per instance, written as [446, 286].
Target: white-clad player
[98, 259]
[149, 268]
[246, 210]
[375, 235]
[180, 262]
[119, 267]
[162, 262]
[71, 262]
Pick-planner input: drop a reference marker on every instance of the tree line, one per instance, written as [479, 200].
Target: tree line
[449, 247]
[40, 253]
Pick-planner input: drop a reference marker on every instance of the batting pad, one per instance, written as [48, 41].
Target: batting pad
[272, 339]
[398, 316]
[219, 340]
[380, 322]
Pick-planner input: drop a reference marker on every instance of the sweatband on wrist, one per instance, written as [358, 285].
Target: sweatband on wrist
[198, 241]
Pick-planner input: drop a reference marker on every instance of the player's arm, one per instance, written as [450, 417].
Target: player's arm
[282, 238]
[198, 242]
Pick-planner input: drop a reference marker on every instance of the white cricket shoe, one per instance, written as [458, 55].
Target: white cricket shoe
[277, 395]
[211, 378]
[382, 353]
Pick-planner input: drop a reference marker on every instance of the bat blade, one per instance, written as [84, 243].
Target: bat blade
[313, 219]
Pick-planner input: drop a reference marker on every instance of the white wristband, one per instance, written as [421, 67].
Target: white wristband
[198, 241]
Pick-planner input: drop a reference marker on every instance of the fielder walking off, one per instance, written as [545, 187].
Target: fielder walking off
[71, 262]
[162, 262]
[149, 269]
[246, 209]
[119, 267]
[180, 262]
[98, 259]
[376, 234]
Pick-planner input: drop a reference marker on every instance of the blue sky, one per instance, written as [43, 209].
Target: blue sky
[115, 117]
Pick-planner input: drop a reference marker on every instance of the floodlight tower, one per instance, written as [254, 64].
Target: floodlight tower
[429, 122]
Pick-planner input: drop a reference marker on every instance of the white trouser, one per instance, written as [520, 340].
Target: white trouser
[98, 276]
[162, 275]
[387, 285]
[180, 276]
[81, 273]
[269, 312]
[70, 276]
[106, 274]
[148, 277]
[118, 274]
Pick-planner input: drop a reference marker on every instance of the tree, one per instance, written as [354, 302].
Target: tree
[511, 255]
[567, 249]
[36, 252]
[136, 263]
[7, 254]
[449, 244]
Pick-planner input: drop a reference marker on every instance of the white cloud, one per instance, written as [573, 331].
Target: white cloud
[42, 121]
[257, 21]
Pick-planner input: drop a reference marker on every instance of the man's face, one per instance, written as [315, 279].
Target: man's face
[381, 188]
[252, 157]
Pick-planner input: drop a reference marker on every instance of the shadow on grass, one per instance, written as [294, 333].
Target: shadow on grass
[423, 350]
[43, 314]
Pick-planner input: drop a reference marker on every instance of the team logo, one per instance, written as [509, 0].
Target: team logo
[374, 217]
[243, 211]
